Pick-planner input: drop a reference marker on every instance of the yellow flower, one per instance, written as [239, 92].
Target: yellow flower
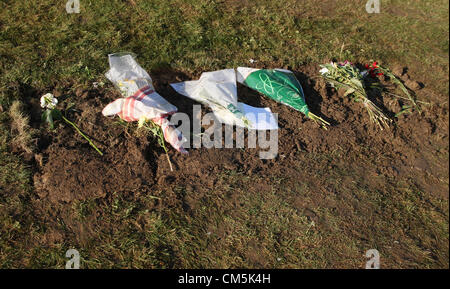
[141, 121]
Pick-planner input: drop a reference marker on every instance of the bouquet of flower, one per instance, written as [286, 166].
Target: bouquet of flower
[280, 85]
[140, 101]
[346, 76]
[218, 90]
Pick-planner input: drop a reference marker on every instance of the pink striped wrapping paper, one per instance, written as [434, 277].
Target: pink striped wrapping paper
[148, 103]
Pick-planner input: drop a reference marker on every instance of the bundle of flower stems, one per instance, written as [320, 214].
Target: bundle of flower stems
[346, 76]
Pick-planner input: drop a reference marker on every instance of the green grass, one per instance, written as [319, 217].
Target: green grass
[42, 48]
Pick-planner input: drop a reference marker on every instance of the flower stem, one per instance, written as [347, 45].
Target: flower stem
[163, 145]
[82, 134]
[157, 132]
[323, 123]
[170, 163]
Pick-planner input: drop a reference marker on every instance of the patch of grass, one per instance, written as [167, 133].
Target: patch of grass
[16, 222]
[43, 48]
[21, 130]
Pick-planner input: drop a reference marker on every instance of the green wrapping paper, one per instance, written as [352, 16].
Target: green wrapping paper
[279, 85]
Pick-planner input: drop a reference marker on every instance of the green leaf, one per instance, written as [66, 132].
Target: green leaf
[405, 109]
[56, 114]
[47, 116]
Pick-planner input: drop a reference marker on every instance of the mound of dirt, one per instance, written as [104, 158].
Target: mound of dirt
[68, 170]
[72, 170]
[76, 174]
[403, 149]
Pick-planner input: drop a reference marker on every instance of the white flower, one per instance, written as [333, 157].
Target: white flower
[364, 73]
[251, 60]
[48, 101]
[324, 71]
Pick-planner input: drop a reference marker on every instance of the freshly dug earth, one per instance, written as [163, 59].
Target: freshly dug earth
[73, 172]
[330, 162]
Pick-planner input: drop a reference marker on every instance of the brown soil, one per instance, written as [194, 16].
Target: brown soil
[73, 172]
[404, 147]
[68, 169]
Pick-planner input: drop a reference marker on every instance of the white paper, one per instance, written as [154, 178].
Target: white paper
[218, 89]
[259, 118]
[127, 74]
[215, 88]
[243, 72]
[129, 77]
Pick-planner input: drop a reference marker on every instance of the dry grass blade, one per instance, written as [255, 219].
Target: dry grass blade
[20, 129]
